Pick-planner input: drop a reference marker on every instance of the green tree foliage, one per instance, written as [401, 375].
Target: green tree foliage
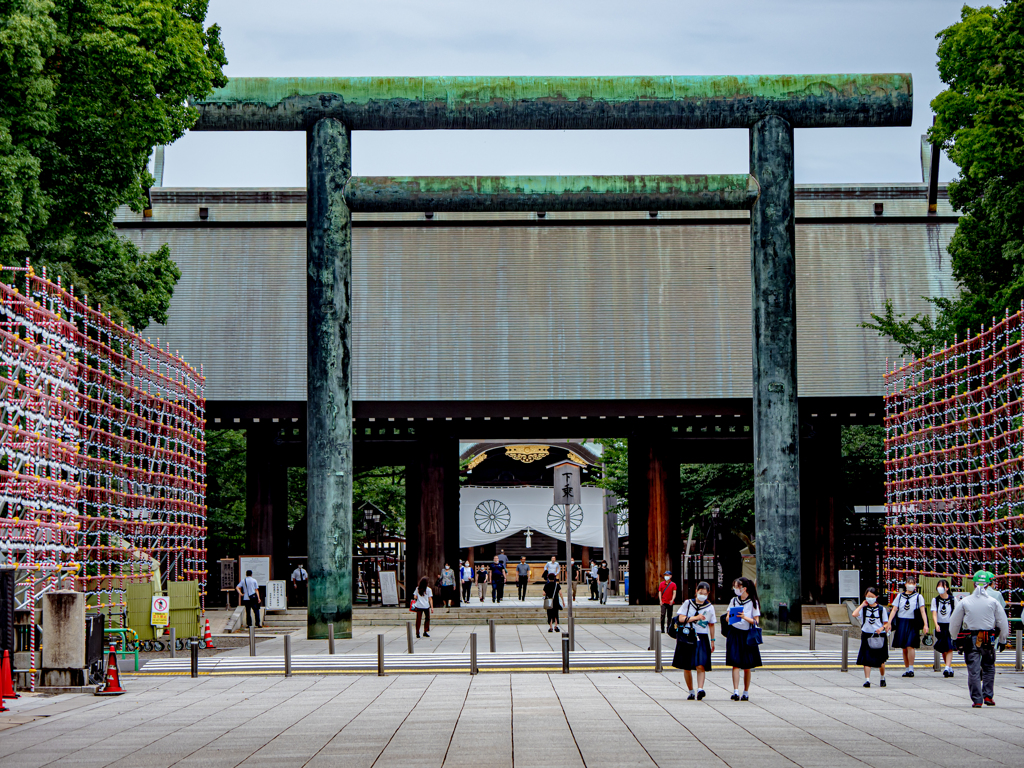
[863, 449]
[729, 486]
[980, 125]
[385, 488]
[615, 471]
[225, 492]
[87, 89]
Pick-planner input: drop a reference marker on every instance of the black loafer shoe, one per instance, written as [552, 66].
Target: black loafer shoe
[867, 683]
[882, 683]
[701, 694]
[735, 697]
[691, 697]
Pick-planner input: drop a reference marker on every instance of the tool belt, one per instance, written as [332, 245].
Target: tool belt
[980, 639]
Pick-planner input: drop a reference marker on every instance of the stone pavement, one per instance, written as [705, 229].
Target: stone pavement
[795, 718]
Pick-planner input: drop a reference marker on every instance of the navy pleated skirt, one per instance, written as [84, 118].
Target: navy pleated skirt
[872, 657]
[943, 642]
[693, 656]
[906, 634]
[738, 653]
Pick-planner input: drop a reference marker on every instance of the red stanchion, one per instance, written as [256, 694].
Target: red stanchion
[7, 678]
[208, 636]
[112, 684]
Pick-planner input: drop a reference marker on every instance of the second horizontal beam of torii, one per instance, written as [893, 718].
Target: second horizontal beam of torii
[550, 193]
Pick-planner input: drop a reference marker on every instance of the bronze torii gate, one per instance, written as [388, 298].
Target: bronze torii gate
[770, 107]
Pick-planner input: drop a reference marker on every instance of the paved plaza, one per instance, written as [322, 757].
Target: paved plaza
[794, 718]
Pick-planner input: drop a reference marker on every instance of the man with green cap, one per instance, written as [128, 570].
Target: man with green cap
[984, 618]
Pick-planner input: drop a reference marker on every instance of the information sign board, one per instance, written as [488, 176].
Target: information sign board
[849, 585]
[388, 588]
[277, 597]
[260, 567]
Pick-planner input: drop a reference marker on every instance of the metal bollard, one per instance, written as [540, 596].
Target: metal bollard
[252, 640]
[194, 648]
[408, 635]
[654, 629]
[936, 660]
[657, 654]
[472, 654]
[330, 638]
[565, 653]
[813, 628]
[380, 655]
[287, 655]
[1020, 646]
[494, 639]
[174, 643]
[846, 651]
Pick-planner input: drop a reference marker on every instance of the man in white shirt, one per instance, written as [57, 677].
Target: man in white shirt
[300, 580]
[249, 593]
[984, 618]
[552, 566]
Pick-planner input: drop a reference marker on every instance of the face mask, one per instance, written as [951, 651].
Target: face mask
[701, 598]
[911, 587]
[941, 590]
[871, 600]
[737, 591]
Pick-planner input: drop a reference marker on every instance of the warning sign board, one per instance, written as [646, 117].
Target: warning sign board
[160, 616]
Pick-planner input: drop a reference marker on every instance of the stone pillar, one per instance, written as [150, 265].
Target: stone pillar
[266, 498]
[821, 470]
[63, 650]
[776, 421]
[653, 518]
[329, 379]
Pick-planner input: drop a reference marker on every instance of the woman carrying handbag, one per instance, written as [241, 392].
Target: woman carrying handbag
[874, 639]
[552, 603]
[741, 646]
[695, 639]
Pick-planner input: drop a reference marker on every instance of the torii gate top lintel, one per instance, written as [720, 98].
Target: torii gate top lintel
[558, 103]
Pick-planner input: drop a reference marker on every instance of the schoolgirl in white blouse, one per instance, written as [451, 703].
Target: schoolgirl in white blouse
[942, 612]
[874, 629]
[910, 619]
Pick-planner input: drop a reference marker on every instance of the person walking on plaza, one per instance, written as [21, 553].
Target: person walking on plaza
[603, 574]
[503, 559]
[694, 649]
[466, 577]
[497, 580]
[522, 577]
[448, 587]
[552, 567]
[249, 593]
[874, 636]
[908, 610]
[574, 571]
[942, 612]
[743, 615]
[593, 579]
[423, 606]
[300, 580]
[483, 578]
[552, 600]
[666, 597]
[980, 615]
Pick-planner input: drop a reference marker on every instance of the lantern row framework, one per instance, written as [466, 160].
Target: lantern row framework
[954, 472]
[328, 109]
[102, 451]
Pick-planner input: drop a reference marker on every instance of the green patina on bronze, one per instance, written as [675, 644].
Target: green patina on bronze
[426, 103]
[329, 376]
[551, 193]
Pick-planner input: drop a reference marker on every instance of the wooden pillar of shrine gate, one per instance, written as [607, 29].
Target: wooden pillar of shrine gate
[431, 511]
[821, 481]
[329, 379]
[266, 498]
[654, 529]
[776, 417]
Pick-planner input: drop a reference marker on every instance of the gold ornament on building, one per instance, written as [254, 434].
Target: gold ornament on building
[476, 461]
[526, 453]
[577, 459]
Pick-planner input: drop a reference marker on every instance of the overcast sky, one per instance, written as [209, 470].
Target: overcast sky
[486, 37]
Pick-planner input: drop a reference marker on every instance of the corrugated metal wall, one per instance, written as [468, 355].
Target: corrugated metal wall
[542, 312]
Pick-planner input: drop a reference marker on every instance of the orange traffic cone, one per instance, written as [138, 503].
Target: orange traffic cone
[7, 678]
[112, 685]
[208, 636]
[2, 707]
